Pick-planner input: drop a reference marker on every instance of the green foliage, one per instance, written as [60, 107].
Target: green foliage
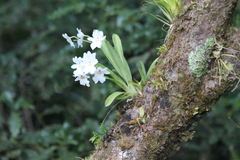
[96, 139]
[198, 59]
[112, 97]
[169, 10]
[123, 77]
[14, 124]
[145, 75]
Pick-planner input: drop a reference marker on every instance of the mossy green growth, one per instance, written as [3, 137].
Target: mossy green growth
[198, 59]
[162, 49]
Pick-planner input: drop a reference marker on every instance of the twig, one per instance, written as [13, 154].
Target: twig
[234, 122]
[110, 111]
[236, 86]
[227, 48]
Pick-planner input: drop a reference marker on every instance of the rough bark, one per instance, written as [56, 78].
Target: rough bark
[174, 99]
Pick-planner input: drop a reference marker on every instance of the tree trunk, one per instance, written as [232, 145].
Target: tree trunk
[175, 98]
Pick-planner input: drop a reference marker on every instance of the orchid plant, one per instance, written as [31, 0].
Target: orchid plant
[121, 75]
[169, 10]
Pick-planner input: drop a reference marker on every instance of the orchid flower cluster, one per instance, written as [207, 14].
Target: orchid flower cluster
[87, 64]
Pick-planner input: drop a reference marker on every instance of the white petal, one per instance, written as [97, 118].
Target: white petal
[93, 46]
[90, 39]
[95, 79]
[80, 33]
[74, 66]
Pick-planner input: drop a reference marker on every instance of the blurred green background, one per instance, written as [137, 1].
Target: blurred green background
[45, 115]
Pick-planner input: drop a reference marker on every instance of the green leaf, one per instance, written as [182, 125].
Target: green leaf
[115, 56]
[118, 79]
[141, 112]
[15, 124]
[7, 96]
[119, 83]
[151, 67]
[112, 97]
[94, 137]
[14, 153]
[161, 19]
[142, 72]
[23, 103]
[103, 128]
[118, 45]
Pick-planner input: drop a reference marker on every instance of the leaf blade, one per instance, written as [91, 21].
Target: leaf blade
[112, 97]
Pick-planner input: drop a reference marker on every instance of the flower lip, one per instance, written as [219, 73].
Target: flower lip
[96, 39]
[89, 60]
[83, 80]
[99, 75]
